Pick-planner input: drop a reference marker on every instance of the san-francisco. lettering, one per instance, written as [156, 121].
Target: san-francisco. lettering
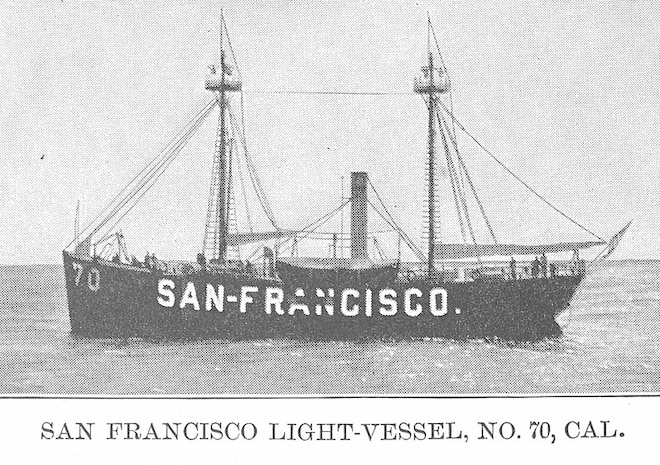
[347, 302]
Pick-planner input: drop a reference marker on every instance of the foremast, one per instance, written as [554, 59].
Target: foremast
[217, 222]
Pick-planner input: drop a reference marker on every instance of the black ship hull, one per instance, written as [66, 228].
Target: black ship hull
[114, 300]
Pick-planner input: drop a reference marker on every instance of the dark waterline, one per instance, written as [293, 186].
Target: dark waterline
[610, 343]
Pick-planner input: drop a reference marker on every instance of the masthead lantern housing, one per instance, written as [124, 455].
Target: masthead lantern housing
[431, 81]
[216, 81]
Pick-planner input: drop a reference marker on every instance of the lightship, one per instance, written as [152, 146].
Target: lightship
[456, 290]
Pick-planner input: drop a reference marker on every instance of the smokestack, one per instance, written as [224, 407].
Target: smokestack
[359, 215]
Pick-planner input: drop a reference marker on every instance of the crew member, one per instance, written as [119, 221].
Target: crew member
[535, 267]
[575, 261]
[544, 265]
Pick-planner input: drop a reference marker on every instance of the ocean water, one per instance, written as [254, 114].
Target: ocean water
[610, 344]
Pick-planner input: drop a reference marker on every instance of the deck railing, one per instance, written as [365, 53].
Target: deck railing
[447, 271]
[491, 270]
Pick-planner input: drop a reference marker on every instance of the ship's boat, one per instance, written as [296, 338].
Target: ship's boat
[458, 290]
[337, 272]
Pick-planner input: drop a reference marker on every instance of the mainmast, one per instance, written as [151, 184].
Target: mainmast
[215, 239]
[431, 168]
[433, 81]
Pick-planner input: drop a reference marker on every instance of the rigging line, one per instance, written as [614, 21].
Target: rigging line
[284, 240]
[242, 105]
[147, 177]
[435, 39]
[145, 182]
[222, 30]
[442, 121]
[379, 249]
[325, 92]
[242, 114]
[237, 157]
[444, 66]
[461, 191]
[454, 184]
[461, 175]
[255, 182]
[245, 199]
[463, 200]
[254, 178]
[155, 177]
[240, 173]
[459, 197]
[451, 99]
[231, 49]
[402, 234]
[152, 180]
[255, 253]
[428, 33]
[392, 223]
[144, 191]
[418, 253]
[212, 210]
[323, 219]
[134, 187]
[328, 234]
[261, 195]
[105, 238]
[229, 193]
[161, 154]
[516, 177]
[395, 226]
[159, 158]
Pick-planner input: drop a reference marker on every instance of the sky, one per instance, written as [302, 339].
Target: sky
[565, 93]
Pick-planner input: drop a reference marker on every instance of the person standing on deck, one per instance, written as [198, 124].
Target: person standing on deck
[544, 265]
[535, 267]
[575, 262]
[512, 265]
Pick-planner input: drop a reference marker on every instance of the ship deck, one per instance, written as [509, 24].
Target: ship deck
[445, 272]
